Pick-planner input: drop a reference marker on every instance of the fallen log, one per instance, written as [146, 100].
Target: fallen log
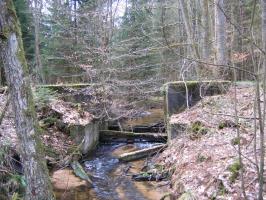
[107, 135]
[135, 155]
[74, 85]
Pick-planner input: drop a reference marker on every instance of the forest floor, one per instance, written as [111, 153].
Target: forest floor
[205, 158]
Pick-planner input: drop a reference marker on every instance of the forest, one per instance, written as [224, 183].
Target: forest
[132, 99]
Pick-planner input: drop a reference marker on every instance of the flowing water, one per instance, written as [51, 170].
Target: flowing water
[111, 178]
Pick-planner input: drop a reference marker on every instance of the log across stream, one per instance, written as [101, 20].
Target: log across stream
[112, 179]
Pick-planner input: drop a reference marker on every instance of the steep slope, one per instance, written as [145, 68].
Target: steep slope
[205, 156]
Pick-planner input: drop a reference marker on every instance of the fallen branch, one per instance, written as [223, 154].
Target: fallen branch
[135, 155]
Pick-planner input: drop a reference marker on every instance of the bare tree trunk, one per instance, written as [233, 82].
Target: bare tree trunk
[12, 53]
[1, 66]
[220, 36]
[188, 28]
[75, 22]
[206, 32]
[236, 18]
[262, 116]
[38, 61]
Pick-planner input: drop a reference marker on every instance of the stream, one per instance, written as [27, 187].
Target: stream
[111, 178]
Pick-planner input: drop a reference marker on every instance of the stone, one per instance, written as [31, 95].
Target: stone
[66, 179]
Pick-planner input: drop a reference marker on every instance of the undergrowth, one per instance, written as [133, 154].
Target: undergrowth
[43, 96]
[12, 182]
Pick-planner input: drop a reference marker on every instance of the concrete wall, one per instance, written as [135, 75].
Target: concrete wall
[175, 96]
[87, 134]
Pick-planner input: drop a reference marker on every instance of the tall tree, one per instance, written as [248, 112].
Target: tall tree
[220, 35]
[26, 20]
[16, 69]
[262, 122]
[189, 32]
[206, 31]
[37, 10]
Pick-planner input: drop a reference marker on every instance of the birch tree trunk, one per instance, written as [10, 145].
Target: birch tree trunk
[12, 53]
[220, 37]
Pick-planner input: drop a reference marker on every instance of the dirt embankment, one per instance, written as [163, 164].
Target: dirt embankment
[57, 143]
[205, 157]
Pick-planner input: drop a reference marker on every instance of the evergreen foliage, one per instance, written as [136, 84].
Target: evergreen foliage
[26, 21]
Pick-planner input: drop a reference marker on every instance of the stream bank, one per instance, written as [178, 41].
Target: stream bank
[61, 149]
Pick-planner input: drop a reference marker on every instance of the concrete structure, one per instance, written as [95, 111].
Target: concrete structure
[74, 118]
[87, 136]
[180, 95]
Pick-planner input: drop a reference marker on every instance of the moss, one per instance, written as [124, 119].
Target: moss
[187, 196]
[192, 84]
[4, 34]
[48, 121]
[226, 123]
[159, 168]
[11, 8]
[49, 151]
[14, 27]
[234, 169]
[198, 128]
[221, 189]
[221, 126]
[21, 57]
[236, 141]
[201, 158]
